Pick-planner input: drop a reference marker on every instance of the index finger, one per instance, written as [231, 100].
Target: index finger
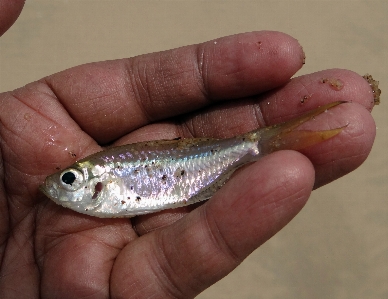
[110, 99]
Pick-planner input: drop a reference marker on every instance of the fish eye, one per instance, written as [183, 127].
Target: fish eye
[71, 179]
[68, 178]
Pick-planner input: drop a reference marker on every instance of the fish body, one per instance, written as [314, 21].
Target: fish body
[151, 176]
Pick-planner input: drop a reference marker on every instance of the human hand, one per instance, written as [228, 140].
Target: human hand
[239, 83]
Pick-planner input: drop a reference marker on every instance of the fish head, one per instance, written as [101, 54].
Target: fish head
[76, 187]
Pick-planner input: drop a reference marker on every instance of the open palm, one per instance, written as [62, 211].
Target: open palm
[216, 89]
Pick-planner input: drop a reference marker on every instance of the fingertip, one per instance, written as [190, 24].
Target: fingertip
[354, 88]
[249, 63]
[288, 47]
[347, 151]
[9, 12]
[306, 92]
[262, 199]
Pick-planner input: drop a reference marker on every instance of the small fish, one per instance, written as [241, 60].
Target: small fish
[151, 176]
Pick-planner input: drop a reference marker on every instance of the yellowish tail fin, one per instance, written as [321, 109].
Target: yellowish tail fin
[284, 136]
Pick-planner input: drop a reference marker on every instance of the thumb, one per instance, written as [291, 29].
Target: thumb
[187, 257]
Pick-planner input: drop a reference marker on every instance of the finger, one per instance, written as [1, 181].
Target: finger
[185, 258]
[9, 12]
[110, 99]
[340, 155]
[309, 91]
[228, 119]
[331, 159]
[299, 95]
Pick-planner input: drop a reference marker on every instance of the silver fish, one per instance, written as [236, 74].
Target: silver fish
[151, 176]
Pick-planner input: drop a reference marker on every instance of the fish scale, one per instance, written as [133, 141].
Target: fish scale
[147, 177]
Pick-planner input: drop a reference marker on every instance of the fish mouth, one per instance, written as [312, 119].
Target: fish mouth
[44, 191]
[49, 191]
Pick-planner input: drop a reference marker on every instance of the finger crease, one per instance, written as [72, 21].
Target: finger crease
[219, 240]
[202, 73]
[134, 88]
[167, 283]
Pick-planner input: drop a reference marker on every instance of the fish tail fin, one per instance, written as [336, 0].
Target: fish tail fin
[284, 136]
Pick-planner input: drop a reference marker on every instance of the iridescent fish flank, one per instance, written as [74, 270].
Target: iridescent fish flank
[147, 177]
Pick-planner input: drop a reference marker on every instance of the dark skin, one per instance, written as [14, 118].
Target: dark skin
[219, 90]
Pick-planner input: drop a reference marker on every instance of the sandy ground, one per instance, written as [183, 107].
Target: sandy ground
[337, 247]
